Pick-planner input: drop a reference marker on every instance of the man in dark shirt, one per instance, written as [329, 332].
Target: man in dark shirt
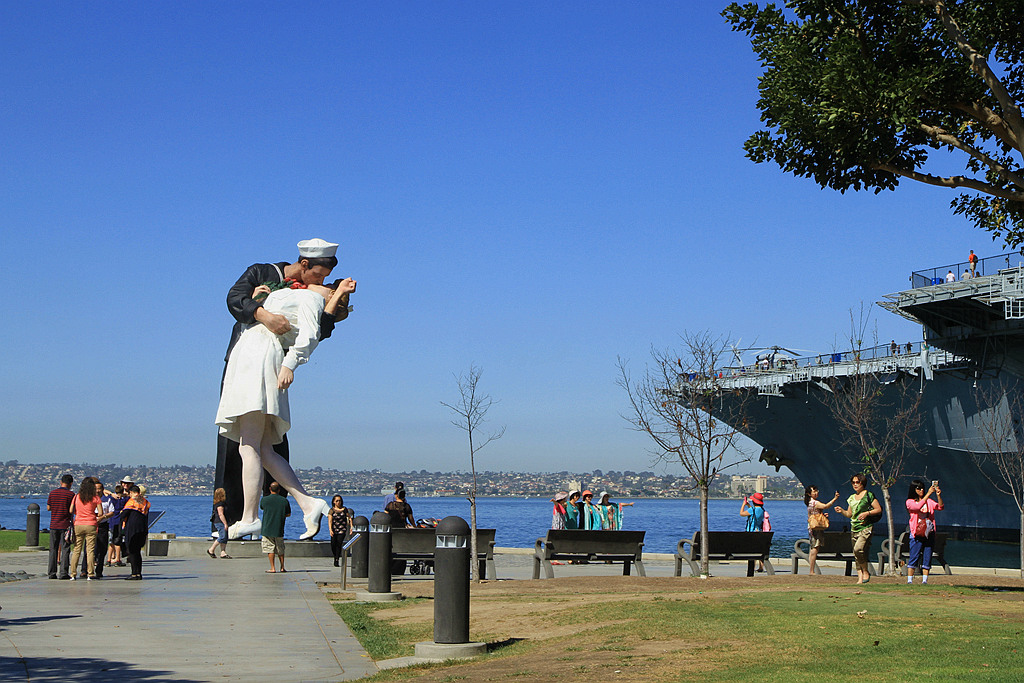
[59, 505]
[316, 261]
[275, 509]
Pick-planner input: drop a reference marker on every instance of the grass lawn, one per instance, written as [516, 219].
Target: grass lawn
[10, 541]
[764, 629]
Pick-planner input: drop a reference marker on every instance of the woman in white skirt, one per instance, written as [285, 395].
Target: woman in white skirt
[253, 406]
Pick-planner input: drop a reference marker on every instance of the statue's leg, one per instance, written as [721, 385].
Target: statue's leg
[281, 471]
[251, 428]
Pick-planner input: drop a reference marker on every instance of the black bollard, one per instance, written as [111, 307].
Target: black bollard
[451, 581]
[361, 548]
[32, 525]
[379, 561]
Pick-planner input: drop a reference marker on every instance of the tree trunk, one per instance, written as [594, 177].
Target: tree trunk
[474, 569]
[1022, 543]
[893, 559]
[704, 563]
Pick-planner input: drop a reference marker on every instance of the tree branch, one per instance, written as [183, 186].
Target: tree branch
[952, 181]
[979, 65]
[991, 121]
[947, 138]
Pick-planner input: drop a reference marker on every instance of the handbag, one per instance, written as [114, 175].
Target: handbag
[69, 535]
[819, 520]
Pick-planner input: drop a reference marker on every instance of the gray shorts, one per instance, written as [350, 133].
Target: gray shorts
[273, 544]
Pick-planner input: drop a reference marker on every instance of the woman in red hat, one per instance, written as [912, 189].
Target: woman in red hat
[755, 517]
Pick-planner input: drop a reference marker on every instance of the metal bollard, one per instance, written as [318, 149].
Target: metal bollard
[361, 548]
[32, 525]
[451, 581]
[379, 560]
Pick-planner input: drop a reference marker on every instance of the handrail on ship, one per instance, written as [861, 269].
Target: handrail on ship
[990, 265]
[786, 364]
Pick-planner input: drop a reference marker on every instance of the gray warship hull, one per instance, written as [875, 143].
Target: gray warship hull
[973, 351]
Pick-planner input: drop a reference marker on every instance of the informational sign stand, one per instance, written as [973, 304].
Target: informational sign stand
[344, 560]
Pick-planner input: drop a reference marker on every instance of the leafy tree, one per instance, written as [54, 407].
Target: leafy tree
[679, 403]
[857, 94]
[470, 412]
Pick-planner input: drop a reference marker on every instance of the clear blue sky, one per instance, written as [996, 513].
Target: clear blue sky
[536, 189]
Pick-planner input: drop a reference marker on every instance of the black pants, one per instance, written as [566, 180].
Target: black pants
[337, 541]
[134, 548]
[229, 476]
[60, 553]
[102, 543]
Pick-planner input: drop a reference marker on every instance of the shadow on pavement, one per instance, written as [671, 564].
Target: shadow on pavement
[34, 620]
[55, 669]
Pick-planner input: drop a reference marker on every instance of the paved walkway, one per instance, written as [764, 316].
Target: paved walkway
[189, 619]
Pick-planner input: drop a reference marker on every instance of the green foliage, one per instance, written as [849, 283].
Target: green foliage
[380, 638]
[856, 94]
[10, 541]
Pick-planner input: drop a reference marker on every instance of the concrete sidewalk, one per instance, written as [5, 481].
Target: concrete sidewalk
[189, 619]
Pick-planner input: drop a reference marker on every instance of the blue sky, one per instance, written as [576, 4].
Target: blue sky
[534, 189]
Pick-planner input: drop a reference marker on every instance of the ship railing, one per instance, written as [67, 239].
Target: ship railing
[990, 265]
[774, 366]
[769, 381]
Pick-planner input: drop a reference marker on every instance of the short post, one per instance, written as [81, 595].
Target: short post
[378, 587]
[361, 548]
[451, 595]
[32, 529]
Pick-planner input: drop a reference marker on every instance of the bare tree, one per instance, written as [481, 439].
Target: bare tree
[683, 403]
[470, 412]
[878, 413]
[999, 421]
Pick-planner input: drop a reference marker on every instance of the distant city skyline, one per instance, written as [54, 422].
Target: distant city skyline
[536, 189]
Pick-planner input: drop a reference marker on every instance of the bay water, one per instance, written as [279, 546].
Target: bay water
[521, 521]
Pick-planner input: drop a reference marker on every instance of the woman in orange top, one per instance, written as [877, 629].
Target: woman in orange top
[135, 521]
[87, 507]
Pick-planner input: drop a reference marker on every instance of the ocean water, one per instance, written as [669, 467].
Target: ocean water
[521, 521]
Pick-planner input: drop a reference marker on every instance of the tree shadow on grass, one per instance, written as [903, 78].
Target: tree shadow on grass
[58, 669]
[501, 644]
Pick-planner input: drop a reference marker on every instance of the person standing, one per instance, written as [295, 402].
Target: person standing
[972, 262]
[118, 500]
[863, 510]
[317, 258]
[275, 510]
[400, 511]
[87, 509]
[922, 526]
[590, 516]
[220, 521]
[559, 513]
[815, 510]
[135, 529]
[572, 511]
[950, 276]
[59, 505]
[755, 517]
[390, 498]
[102, 530]
[339, 523]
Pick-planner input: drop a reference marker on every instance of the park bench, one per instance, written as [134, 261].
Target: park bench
[903, 553]
[581, 545]
[418, 545]
[724, 546]
[837, 545]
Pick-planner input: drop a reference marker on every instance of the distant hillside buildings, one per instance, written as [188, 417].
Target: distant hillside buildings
[18, 479]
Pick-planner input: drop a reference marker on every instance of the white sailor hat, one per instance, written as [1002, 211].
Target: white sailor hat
[317, 248]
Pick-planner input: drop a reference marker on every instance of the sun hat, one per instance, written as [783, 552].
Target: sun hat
[574, 492]
[588, 492]
[560, 496]
[126, 479]
[757, 499]
[604, 494]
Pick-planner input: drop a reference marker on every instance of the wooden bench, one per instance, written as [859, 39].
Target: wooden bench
[726, 545]
[838, 546]
[903, 553]
[419, 544]
[589, 546]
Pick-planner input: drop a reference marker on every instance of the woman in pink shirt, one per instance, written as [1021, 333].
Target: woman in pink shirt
[87, 507]
[922, 527]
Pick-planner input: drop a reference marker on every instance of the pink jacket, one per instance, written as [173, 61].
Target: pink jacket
[922, 511]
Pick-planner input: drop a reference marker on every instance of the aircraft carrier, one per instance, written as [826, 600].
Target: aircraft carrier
[972, 348]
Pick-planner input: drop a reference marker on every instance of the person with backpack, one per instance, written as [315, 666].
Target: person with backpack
[757, 517]
[922, 527]
[863, 512]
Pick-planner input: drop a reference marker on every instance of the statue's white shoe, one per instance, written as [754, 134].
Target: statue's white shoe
[314, 518]
[239, 529]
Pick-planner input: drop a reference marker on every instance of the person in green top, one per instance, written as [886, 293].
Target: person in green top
[275, 510]
[863, 512]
